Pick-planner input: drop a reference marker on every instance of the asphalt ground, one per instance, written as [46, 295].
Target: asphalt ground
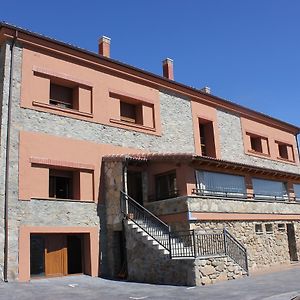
[279, 285]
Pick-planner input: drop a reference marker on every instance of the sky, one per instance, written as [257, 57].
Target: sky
[246, 51]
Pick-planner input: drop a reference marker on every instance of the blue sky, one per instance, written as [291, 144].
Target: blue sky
[246, 51]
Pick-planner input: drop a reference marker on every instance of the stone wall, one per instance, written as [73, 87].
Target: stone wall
[232, 147]
[264, 250]
[210, 204]
[147, 264]
[212, 270]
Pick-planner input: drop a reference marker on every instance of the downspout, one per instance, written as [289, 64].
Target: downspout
[297, 142]
[7, 158]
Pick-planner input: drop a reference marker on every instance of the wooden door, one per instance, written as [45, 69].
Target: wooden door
[55, 255]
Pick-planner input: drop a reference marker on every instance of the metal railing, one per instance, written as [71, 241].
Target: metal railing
[147, 221]
[235, 250]
[187, 243]
[240, 195]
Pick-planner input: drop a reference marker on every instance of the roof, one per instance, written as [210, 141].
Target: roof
[191, 157]
[4, 24]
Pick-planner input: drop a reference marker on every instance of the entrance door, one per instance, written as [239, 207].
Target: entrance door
[135, 186]
[292, 242]
[74, 243]
[55, 255]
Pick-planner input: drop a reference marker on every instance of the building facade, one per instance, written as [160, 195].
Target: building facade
[79, 128]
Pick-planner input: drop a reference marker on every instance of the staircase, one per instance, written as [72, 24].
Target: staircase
[187, 244]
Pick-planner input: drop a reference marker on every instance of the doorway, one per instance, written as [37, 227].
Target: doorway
[55, 255]
[292, 242]
[135, 186]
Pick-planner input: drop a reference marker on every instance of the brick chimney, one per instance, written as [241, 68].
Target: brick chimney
[104, 46]
[168, 71]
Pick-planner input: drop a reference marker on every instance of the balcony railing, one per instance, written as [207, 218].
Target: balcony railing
[242, 195]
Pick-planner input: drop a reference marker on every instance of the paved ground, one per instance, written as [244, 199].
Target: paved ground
[283, 285]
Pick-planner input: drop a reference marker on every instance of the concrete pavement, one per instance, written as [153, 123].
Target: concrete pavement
[283, 285]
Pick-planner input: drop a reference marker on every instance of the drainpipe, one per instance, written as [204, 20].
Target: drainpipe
[125, 188]
[7, 157]
[297, 142]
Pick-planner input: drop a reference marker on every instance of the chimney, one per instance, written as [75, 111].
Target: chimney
[168, 71]
[104, 46]
[206, 90]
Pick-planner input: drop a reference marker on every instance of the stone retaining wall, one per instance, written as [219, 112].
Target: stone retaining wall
[264, 249]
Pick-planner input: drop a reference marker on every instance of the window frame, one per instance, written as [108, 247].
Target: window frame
[172, 192]
[286, 145]
[254, 139]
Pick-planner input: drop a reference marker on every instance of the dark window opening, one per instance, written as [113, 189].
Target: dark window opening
[283, 151]
[269, 228]
[207, 141]
[61, 184]
[258, 229]
[37, 255]
[131, 113]
[256, 144]
[166, 186]
[74, 245]
[61, 96]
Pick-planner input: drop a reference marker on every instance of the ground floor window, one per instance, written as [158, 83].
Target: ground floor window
[220, 184]
[297, 191]
[269, 189]
[166, 185]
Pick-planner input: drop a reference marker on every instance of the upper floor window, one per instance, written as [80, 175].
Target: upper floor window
[166, 186]
[63, 184]
[258, 144]
[269, 189]
[207, 141]
[285, 151]
[131, 113]
[62, 96]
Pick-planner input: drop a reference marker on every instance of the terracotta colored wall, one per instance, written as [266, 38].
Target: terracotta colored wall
[185, 176]
[98, 91]
[272, 134]
[91, 244]
[201, 111]
[34, 178]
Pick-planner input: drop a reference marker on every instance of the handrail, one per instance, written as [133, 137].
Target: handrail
[144, 209]
[146, 220]
[186, 243]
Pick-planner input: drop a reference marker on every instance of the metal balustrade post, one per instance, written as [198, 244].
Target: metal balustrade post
[225, 240]
[170, 243]
[194, 243]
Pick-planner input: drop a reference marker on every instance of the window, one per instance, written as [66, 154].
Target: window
[62, 96]
[166, 186]
[285, 151]
[207, 141]
[258, 144]
[258, 229]
[220, 184]
[297, 191]
[269, 189]
[63, 184]
[269, 228]
[281, 227]
[131, 113]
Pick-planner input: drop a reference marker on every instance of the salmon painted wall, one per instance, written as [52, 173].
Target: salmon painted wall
[272, 134]
[205, 112]
[185, 176]
[99, 92]
[38, 152]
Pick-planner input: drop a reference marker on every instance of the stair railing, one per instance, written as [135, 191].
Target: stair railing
[147, 221]
[235, 250]
[188, 243]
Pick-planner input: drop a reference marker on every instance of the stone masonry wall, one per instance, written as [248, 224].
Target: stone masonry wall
[264, 250]
[232, 147]
[212, 270]
[147, 264]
